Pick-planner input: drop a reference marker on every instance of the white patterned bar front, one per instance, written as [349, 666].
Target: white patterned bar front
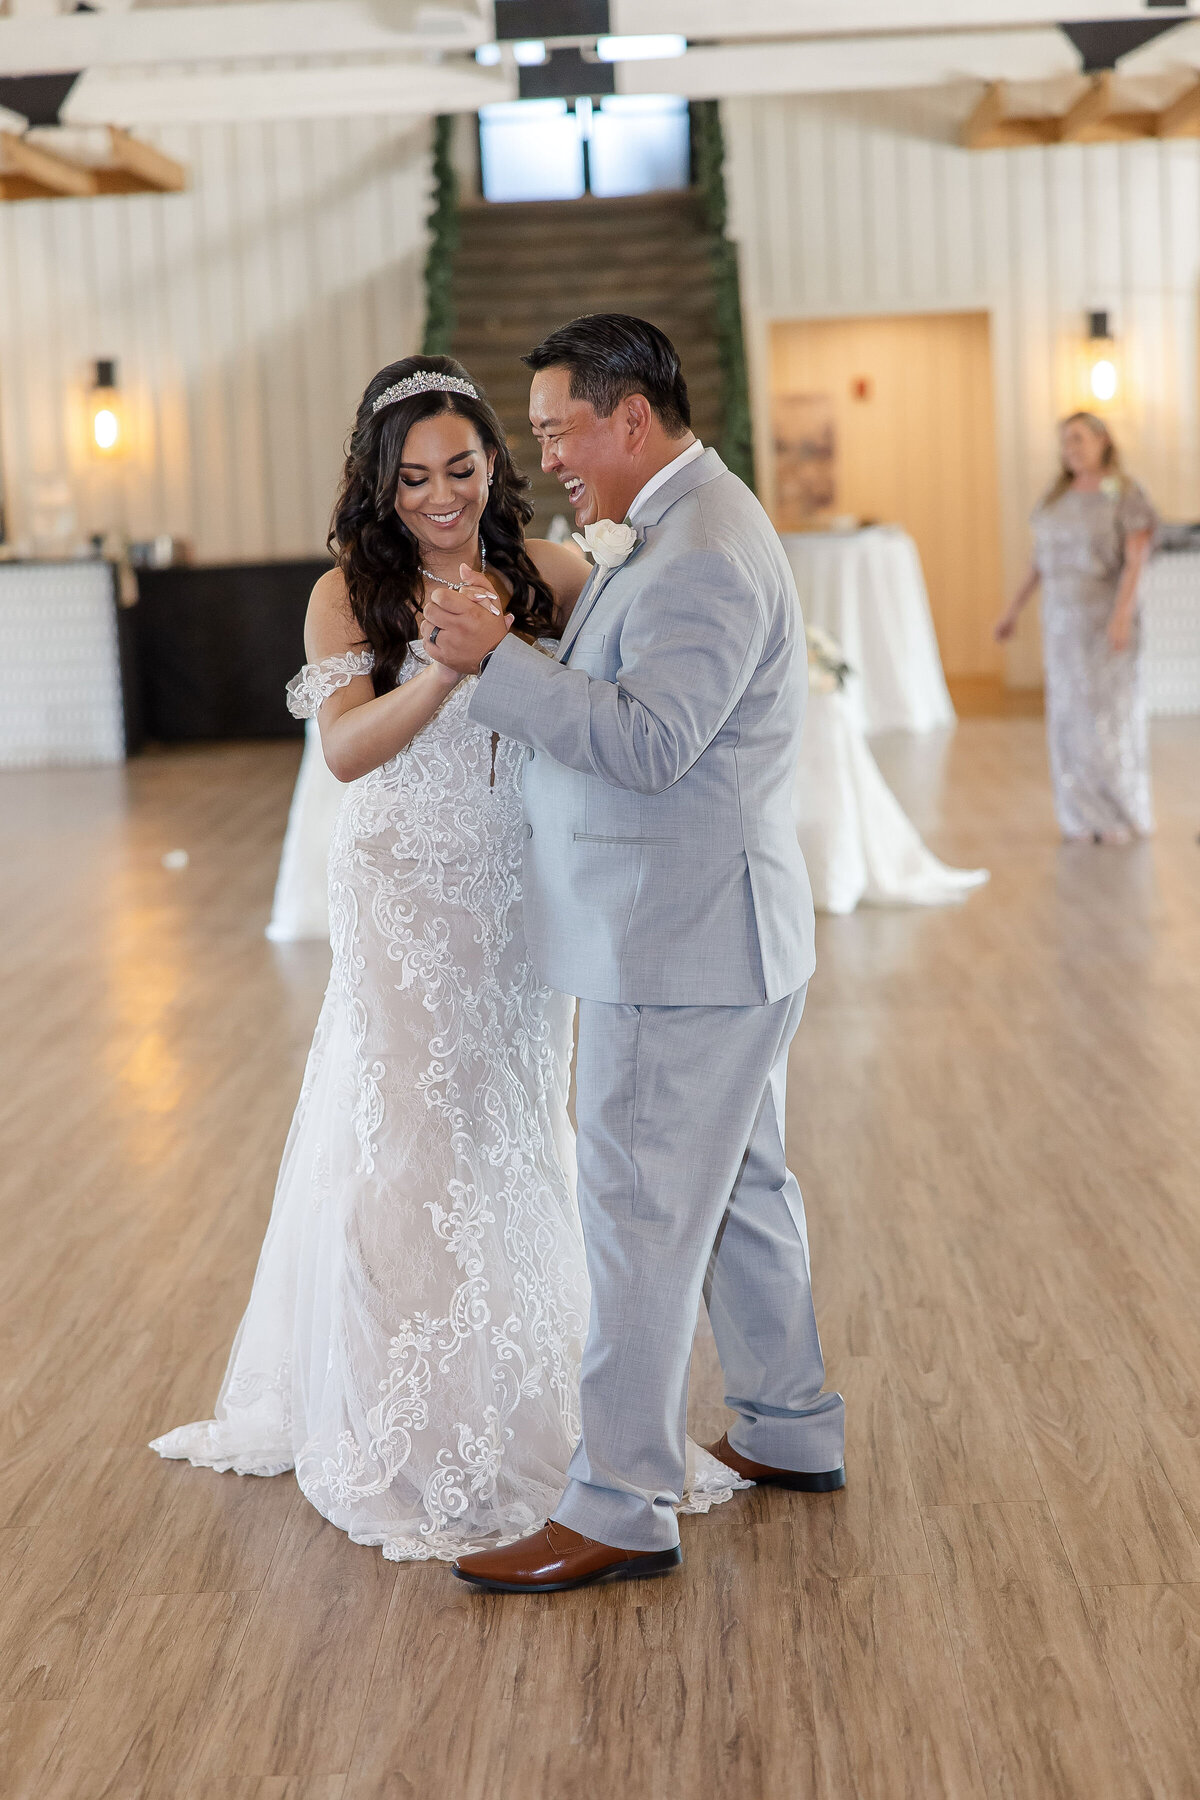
[1171, 609]
[60, 672]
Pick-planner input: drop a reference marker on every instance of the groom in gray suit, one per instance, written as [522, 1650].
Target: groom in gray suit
[665, 889]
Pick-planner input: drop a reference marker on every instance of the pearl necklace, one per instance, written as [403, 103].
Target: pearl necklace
[456, 587]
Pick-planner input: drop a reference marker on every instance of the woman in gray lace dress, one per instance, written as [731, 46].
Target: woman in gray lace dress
[1092, 535]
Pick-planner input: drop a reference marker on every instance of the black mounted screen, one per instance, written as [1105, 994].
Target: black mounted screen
[565, 76]
[1103, 42]
[36, 97]
[551, 19]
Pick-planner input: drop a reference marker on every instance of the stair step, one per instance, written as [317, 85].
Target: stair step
[522, 269]
[513, 337]
[509, 326]
[580, 243]
[624, 210]
[507, 386]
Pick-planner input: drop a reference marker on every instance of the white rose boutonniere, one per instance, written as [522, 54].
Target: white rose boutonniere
[1110, 487]
[608, 544]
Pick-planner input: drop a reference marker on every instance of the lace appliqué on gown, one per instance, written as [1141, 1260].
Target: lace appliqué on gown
[308, 691]
[413, 1337]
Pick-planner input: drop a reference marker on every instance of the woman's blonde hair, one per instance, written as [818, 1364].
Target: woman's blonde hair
[1112, 456]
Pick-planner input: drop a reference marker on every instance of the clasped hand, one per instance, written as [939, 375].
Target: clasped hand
[469, 623]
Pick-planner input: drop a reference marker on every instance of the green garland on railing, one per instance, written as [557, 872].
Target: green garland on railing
[443, 243]
[708, 175]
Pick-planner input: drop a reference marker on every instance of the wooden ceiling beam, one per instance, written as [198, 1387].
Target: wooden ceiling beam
[19, 187]
[34, 172]
[154, 172]
[56, 174]
[1182, 118]
[1096, 118]
[991, 127]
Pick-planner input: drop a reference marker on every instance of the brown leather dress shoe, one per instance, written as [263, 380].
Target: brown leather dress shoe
[827, 1481]
[556, 1558]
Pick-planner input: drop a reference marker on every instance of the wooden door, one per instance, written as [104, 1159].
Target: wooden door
[909, 399]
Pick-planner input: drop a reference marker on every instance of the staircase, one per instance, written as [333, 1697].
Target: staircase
[523, 268]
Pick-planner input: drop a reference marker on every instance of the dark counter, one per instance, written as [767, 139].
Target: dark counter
[217, 646]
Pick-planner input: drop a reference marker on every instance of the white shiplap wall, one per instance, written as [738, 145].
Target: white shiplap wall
[247, 315]
[848, 205]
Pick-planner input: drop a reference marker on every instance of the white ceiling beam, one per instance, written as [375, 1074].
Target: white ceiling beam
[101, 97]
[1181, 49]
[174, 34]
[849, 65]
[698, 19]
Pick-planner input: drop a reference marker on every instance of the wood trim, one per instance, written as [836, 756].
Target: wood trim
[990, 697]
[148, 167]
[990, 126]
[53, 173]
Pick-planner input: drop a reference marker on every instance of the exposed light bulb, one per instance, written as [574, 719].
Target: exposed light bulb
[488, 55]
[1103, 379]
[106, 428]
[529, 53]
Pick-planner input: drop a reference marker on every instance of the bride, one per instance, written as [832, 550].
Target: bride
[412, 1341]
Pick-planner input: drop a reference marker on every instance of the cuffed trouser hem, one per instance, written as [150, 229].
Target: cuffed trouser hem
[625, 1521]
[814, 1444]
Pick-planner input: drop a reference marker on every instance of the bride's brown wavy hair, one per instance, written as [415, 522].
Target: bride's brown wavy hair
[377, 553]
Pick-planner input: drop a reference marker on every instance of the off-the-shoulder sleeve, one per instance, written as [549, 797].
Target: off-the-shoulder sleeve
[307, 691]
[1134, 511]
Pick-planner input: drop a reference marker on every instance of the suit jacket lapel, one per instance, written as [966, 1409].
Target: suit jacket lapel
[692, 475]
[583, 607]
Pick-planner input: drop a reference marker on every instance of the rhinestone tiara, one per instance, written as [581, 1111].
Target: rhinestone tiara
[425, 381]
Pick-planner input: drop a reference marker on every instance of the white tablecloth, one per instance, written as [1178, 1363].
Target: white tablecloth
[60, 668]
[866, 589]
[301, 908]
[1171, 608]
[857, 840]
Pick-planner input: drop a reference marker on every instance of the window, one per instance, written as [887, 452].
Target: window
[558, 150]
[531, 150]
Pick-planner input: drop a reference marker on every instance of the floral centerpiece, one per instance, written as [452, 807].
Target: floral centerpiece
[827, 667]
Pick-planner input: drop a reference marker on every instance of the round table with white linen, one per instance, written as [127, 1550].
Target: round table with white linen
[857, 840]
[867, 590]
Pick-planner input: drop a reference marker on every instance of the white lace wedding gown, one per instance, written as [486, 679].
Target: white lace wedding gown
[412, 1341]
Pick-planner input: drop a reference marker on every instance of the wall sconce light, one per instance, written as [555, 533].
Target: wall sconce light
[104, 408]
[1103, 378]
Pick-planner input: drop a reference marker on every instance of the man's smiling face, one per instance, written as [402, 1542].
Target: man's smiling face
[592, 457]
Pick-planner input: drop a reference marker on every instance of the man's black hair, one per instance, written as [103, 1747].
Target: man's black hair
[612, 355]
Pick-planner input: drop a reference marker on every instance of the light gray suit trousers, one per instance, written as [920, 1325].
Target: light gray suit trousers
[664, 888]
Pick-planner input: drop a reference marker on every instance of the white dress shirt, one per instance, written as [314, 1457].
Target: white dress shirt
[665, 474]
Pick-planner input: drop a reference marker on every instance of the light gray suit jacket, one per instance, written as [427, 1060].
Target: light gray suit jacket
[661, 862]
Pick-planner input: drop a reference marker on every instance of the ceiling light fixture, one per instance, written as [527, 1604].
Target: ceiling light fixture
[651, 48]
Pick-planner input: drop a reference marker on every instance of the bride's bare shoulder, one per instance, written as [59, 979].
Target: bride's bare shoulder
[330, 628]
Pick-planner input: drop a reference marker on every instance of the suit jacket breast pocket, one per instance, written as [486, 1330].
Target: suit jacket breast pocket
[589, 653]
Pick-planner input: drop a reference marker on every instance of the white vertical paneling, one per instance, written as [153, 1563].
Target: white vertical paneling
[247, 315]
[843, 206]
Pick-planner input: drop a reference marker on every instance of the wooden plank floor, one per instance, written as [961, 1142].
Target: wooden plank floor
[994, 1116]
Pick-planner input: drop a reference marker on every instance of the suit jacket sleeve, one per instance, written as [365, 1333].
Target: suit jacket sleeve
[689, 645]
